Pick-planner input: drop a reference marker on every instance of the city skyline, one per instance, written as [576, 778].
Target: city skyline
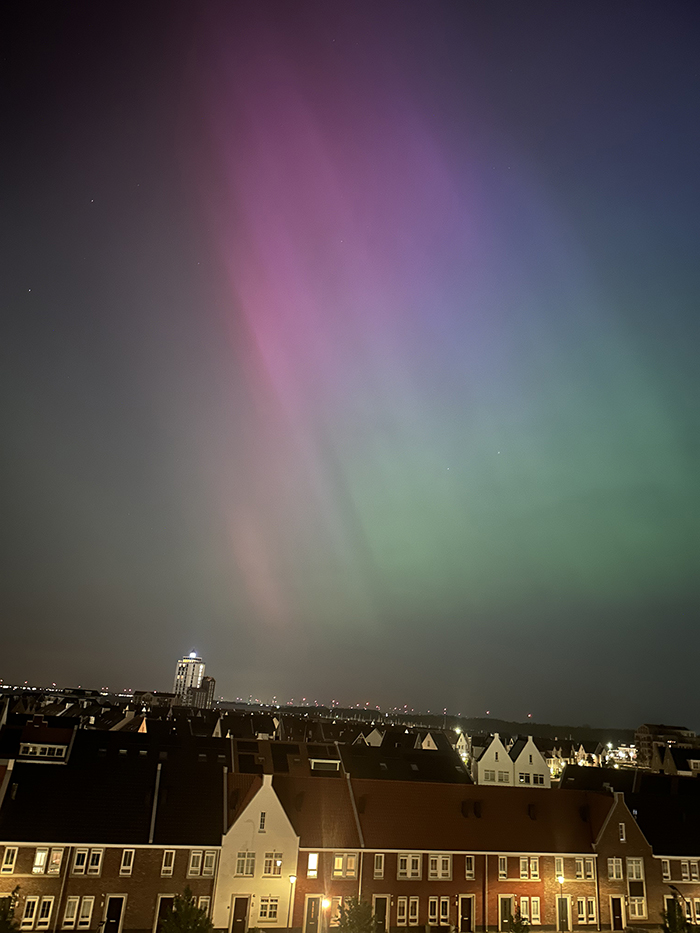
[356, 346]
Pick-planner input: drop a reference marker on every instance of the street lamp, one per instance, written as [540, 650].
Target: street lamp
[292, 882]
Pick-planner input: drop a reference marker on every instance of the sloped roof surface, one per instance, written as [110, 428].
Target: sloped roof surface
[320, 810]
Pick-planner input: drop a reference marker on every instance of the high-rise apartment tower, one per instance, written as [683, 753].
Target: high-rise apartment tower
[188, 675]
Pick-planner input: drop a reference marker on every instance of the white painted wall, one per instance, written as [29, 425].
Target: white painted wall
[538, 765]
[495, 758]
[245, 835]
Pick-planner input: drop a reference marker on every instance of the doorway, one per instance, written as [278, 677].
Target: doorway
[239, 918]
[616, 912]
[466, 913]
[313, 911]
[505, 912]
[563, 914]
[114, 913]
[381, 911]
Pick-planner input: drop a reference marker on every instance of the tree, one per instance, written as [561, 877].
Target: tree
[355, 916]
[518, 923]
[8, 921]
[185, 916]
[674, 917]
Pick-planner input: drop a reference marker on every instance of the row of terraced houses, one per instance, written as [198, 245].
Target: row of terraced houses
[102, 830]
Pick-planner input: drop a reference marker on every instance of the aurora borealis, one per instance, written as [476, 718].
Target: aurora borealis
[355, 346]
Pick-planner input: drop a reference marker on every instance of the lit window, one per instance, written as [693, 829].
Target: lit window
[166, 869]
[127, 862]
[80, 861]
[195, 866]
[502, 867]
[40, 858]
[268, 909]
[312, 867]
[379, 865]
[245, 864]
[469, 867]
[273, 864]
[54, 866]
[71, 913]
[535, 910]
[44, 916]
[8, 861]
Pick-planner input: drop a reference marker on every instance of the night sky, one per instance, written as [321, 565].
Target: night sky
[355, 346]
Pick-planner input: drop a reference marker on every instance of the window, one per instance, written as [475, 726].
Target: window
[495, 757]
[440, 866]
[524, 777]
[589, 870]
[95, 862]
[40, 859]
[273, 864]
[444, 911]
[378, 864]
[615, 869]
[503, 777]
[71, 913]
[535, 868]
[55, 859]
[245, 864]
[268, 909]
[502, 867]
[311, 867]
[697, 910]
[623, 832]
[525, 908]
[80, 861]
[8, 861]
[592, 916]
[401, 911]
[166, 869]
[534, 910]
[44, 916]
[666, 869]
[581, 909]
[344, 865]
[261, 824]
[29, 915]
[694, 871]
[334, 912]
[195, 866]
[538, 779]
[433, 905]
[413, 911]
[489, 775]
[204, 904]
[85, 914]
[409, 866]
[685, 871]
[524, 868]
[635, 869]
[209, 863]
[127, 862]
[559, 867]
[579, 868]
[637, 907]
[469, 867]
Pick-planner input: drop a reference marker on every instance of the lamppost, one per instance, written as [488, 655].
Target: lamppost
[292, 882]
[561, 924]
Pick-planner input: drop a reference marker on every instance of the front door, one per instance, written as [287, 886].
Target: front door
[616, 910]
[466, 914]
[381, 909]
[313, 911]
[505, 910]
[563, 913]
[165, 905]
[240, 915]
[114, 913]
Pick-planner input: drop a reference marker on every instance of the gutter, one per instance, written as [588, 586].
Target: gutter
[152, 830]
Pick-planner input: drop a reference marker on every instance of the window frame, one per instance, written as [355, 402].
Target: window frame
[94, 868]
[401, 911]
[413, 911]
[441, 870]
[273, 862]
[469, 872]
[127, 863]
[53, 866]
[29, 916]
[378, 871]
[41, 858]
[194, 866]
[69, 921]
[502, 867]
[80, 861]
[44, 922]
[312, 869]
[409, 873]
[85, 916]
[167, 865]
[535, 912]
[9, 860]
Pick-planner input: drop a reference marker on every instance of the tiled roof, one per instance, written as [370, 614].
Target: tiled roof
[320, 810]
